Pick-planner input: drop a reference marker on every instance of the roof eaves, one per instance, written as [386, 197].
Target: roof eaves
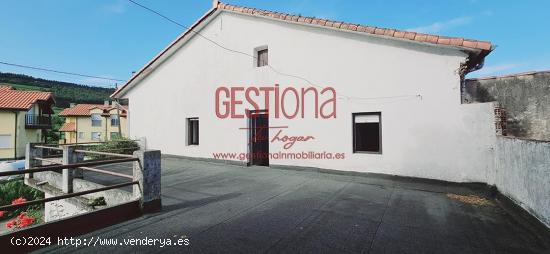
[384, 32]
[468, 44]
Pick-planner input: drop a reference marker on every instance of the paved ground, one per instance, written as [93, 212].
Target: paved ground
[230, 209]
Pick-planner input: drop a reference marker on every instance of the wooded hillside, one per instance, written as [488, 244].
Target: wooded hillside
[64, 92]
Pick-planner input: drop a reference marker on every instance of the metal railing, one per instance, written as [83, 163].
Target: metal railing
[37, 121]
[72, 162]
[65, 166]
[64, 196]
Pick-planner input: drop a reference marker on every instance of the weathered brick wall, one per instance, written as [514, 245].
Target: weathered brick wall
[525, 97]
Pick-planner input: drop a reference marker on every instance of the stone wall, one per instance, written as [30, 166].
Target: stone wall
[526, 98]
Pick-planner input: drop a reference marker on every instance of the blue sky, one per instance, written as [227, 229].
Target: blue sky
[112, 38]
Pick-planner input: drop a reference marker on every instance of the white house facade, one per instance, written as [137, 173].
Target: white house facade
[396, 108]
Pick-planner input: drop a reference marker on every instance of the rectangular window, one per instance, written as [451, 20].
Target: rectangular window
[262, 57]
[114, 135]
[192, 131]
[96, 120]
[81, 135]
[5, 141]
[367, 132]
[115, 120]
[96, 136]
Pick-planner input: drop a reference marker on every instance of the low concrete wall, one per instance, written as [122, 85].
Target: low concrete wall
[77, 205]
[60, 209]
[522, 172]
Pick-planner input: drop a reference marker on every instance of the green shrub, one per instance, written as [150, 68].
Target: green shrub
[121, 146]
[11, 190]
[37, 214]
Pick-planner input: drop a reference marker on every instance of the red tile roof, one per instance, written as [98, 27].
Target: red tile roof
[384, 32]
[84, 109]
[68, 127]
[5, 88]
[21, 100]
[79, 110]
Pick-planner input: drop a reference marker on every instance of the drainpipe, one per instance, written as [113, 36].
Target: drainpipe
[105, 129]
[76, 129]
[15, 138]
[119, 119]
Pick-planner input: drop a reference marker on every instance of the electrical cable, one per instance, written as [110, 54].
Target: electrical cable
[254, 57]
[61, 72]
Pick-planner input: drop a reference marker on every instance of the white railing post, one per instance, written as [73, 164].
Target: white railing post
[68, 158]
[142, 142]
[31, 152]
[78, 157]
[147, 170]
[29, 159]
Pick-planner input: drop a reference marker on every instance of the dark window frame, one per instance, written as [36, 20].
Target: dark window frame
[354, 148]
[259, 61]
[98, 137]
[114, 121]
[190, 139]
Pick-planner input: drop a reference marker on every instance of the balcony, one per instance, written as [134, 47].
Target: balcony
[33, 121]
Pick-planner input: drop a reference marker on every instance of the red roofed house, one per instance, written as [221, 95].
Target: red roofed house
[93, 122]
[24, 118]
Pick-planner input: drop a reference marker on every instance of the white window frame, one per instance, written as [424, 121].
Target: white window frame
[98, 135]
[367, 117]
[96, 120]
[189, 131]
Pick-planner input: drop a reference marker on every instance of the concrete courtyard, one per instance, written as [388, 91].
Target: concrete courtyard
[225, 208]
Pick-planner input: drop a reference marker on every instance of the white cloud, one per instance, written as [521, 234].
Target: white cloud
[443, 25]
[497, 69]
[488, 13]
[327, 15]
[326, 9]
[118, 6]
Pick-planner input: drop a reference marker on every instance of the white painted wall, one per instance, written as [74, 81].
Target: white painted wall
[432, 137]
[522, 172]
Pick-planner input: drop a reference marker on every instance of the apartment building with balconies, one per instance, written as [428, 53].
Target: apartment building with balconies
[25, 116]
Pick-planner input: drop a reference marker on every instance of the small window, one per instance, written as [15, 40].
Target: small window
[367, 136]
[115, 136]
[81, 135]
[5, 141]
[96, 136]
[96, 120]
[115, 121]
[192, 131]
[262, 57]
